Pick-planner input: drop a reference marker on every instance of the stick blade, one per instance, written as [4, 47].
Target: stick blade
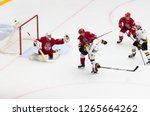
[136, 68]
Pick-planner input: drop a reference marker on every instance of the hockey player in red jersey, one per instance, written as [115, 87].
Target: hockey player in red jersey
[46, 43]
[84, 38]
[125, 24]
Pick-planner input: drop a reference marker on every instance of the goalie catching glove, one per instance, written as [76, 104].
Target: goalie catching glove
[38, 44]
[66, 38]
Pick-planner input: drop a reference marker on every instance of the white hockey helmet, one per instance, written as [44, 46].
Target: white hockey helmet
[48, 35]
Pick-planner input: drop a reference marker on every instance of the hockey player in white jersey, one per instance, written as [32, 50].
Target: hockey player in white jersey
[92, 49]
[140, 42]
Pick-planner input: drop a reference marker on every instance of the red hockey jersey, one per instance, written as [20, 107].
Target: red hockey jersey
[87, 38]
[126, 23]
[48, 44]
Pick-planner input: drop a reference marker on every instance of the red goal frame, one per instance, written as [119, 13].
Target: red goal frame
[35, 17]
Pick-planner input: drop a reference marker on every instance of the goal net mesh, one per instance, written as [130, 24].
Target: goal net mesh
[20, 37]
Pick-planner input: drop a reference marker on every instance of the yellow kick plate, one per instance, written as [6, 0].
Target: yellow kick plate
[2, 2]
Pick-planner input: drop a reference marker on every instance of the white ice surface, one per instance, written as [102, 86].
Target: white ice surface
[22, 78]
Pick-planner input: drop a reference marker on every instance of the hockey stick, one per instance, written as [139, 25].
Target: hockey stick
[43, 55]
[104, 34]
[101, 36]
[142, 57]
[121, 69]
[130, 37]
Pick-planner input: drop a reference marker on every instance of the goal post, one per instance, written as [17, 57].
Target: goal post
[20, 28]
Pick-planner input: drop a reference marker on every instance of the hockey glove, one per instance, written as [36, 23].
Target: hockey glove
[66, 38]
[134, 35]
[97, 65]
[129, 34]
[144, 40]
[104, 42]
[87, 46]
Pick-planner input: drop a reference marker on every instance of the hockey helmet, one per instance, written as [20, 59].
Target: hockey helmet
[81, 31]
[128, 14]
[48, 35]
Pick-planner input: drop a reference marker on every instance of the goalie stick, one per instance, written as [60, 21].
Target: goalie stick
[121, 69]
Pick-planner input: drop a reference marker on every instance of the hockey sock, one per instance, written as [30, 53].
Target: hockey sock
[120, 38]
[82, 60]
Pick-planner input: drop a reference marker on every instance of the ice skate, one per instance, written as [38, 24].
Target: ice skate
[94, 70]
[119, 41]
[131, 55]
[81, 66]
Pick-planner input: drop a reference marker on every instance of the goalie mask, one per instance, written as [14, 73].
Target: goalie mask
[48, 36]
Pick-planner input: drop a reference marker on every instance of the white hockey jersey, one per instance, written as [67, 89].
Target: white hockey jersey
[92, 50]
[141, 35]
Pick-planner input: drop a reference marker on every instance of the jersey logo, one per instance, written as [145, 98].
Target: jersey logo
[47, 46]
[2, 2]
[127, 25]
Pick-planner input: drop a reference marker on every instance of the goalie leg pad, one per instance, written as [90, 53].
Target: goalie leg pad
[38, 57]
[56, 54]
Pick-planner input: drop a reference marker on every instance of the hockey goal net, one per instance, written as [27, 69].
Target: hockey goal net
[22, 36]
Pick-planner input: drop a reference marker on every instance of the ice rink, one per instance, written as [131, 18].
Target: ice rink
[21, 78]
